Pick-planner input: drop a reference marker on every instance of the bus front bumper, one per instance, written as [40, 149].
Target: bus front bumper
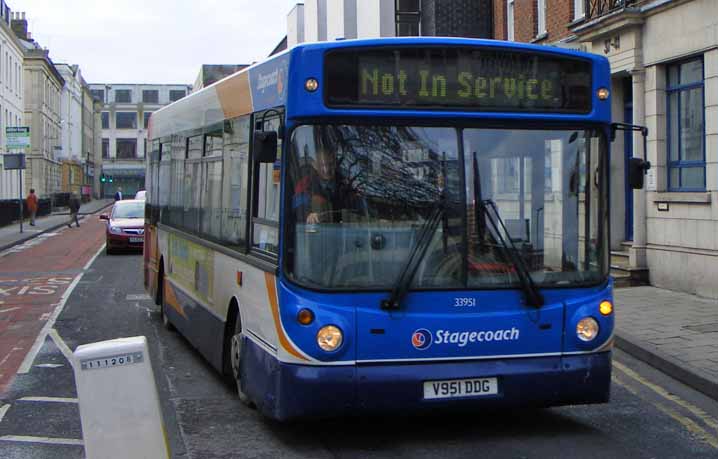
[287, 391]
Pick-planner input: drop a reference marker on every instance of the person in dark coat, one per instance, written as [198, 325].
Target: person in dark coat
[74, 210]
[118, 195]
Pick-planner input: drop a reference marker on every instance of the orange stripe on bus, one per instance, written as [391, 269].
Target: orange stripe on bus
[272, 293]
[234, 95]
[171, 299]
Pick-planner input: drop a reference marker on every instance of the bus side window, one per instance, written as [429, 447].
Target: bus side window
[265, 214]
[237, 133]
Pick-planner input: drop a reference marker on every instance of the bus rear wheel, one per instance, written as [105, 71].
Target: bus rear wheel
[235, 356]
[161, 297]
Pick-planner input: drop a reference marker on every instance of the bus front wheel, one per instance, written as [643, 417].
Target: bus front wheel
[236, 353]
[161, 300]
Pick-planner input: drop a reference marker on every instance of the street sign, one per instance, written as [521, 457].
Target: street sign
[14, 161]
[17, 137]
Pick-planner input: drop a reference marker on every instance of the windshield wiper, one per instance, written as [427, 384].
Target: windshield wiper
[426, 234]
[481, 208]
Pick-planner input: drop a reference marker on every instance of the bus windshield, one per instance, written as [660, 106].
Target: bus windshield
[359, 196]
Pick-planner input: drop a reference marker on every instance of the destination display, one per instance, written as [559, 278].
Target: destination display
[457, 78]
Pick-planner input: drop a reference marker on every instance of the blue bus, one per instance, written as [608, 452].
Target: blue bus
[391, 224]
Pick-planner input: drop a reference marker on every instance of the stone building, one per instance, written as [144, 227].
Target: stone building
[42, 87]
[664, 64]
[70, 153]
[90, 152]
[12, 105]
[126, 109]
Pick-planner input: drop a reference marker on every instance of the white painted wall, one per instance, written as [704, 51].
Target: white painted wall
[315, 20]
[11, 101]
[295, 26]
[375, 18]
[70, 114]
[341, 19]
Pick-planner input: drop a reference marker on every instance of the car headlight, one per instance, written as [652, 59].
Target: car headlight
[115, 229]
[329, 338]
[587, 329]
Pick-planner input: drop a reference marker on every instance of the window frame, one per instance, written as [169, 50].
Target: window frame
[541, 18]
[146, 92]
[579, 6]
[277, 113]
[678, 89]
[129, 92]
[128, 140]
[510, 31]
[407, 17]
[171, 99]
[118, 113]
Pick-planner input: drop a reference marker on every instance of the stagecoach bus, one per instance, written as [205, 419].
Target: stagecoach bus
[390, 224]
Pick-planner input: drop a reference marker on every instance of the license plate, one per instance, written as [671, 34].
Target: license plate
[453, 388]
[137, 239]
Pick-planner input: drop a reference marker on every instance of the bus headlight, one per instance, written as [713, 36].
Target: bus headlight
[329, 338]
[587, 329]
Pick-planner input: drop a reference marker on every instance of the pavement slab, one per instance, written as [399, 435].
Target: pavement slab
[677, 332]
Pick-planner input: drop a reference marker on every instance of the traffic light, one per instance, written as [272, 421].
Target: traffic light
[111, 179]
[103, 178]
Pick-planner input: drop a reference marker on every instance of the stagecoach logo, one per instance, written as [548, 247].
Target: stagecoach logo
[421, 339]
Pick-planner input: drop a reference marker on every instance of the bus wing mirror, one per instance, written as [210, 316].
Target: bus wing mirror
[637, 168]
[265, 146]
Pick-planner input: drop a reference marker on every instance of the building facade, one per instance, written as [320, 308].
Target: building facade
[70, 154]
[42, 88]
[92, 158]
[126, 109]
[664, 64]
[12, 102]
[322, 20]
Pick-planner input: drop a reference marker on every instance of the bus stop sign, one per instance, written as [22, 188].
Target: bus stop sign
[14, 161]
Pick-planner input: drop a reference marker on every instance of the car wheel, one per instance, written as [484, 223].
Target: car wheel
[235, 355]
[108, 250]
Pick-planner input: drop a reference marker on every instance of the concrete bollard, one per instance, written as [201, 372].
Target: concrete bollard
[119, 404]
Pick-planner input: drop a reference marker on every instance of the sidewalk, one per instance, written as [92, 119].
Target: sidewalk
[10, 235]
[674, 332]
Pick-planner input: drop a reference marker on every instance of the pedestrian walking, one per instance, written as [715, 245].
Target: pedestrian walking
[31, 203]
[74, 210]
[118, 195]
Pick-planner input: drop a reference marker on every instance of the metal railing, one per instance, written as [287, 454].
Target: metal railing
[597, 8]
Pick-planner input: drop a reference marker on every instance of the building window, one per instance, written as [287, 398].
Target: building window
[579, 10]
[540, 17]
[686, 126]
[123, 96]
[146, 121]
[125, 120]
[150, 96]
[98, 94]
[126, 148]
[177, 94]
[105, 148]
[510, 20]
[105, 120]
[408, 18]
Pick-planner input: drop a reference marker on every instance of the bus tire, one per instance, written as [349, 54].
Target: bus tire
[161, 296]
[235, 355]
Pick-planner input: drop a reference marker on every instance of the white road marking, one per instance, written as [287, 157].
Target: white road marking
[3, 410]
[138, 297]
[49, 365]
[8, 309]
[48, 399]
[40, 340]
[46, 440]
[60, 343]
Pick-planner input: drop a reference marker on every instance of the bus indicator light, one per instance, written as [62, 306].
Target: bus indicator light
[606, 308]
[305, 316]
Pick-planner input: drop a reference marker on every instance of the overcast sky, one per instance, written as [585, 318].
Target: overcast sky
[154, 41]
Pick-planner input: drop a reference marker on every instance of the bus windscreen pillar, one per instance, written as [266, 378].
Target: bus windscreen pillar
[119, 404]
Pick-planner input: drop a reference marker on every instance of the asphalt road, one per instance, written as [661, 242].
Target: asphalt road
[650, 415]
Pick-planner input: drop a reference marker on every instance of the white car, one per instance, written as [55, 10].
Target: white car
[141, 195]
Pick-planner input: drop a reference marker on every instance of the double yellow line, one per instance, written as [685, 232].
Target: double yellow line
[693, 427]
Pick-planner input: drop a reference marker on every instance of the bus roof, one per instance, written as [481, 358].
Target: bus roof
[271, 83]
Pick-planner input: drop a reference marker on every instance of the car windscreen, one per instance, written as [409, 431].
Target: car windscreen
[129, 210]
